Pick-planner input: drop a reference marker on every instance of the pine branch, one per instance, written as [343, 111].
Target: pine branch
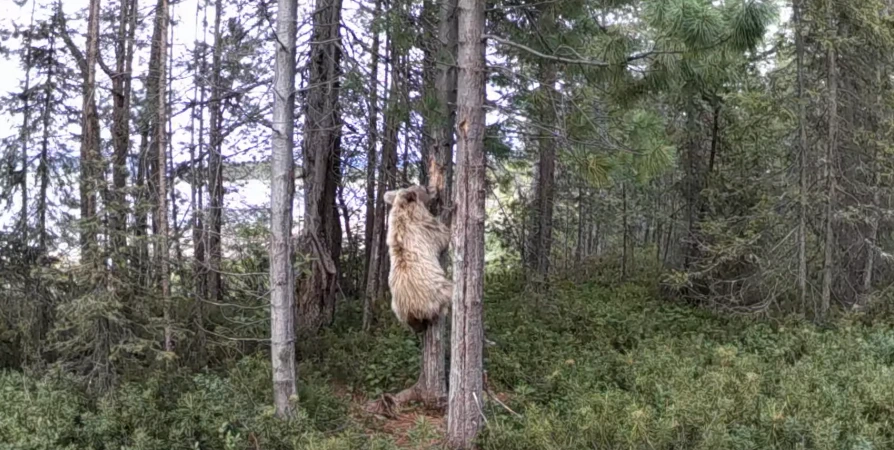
[583, 62]
[105, 68]
[579, 61]
[72, 47]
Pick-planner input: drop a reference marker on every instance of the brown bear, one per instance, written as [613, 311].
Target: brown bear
[420, 290]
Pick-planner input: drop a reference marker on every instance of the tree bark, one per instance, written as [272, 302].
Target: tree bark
[282, 304]
[802, 156]
[43, 166]
[25, 132]
[872, 240]
[387, 177]
[581, 236]
[831, 150]
[374, 203]
[544, 189]
[121, 92]
[321, 239]
[432, 384]
[348, 265]
[215, 166]
[161, 23]
[465, 402]
[625, 232]
[196, 156]
[90, 135]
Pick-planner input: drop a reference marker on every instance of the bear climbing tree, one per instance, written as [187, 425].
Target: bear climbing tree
[420, 291]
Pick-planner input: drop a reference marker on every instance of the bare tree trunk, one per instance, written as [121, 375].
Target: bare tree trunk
[149, 171]
[802, 157]
[873, 238]
[408, 124]
[378, 269]
[282, 303]
[579, 252]
[347, 274]
[544, 189]
[43, 167]
[670, 235]
[371, 146]
[90, 129]
[215, 166]
[25, 132]
[321, 239]
[625, 232]
[376, 258]
[121, 91]
[142, 200]
[161, 18]
[831, 150]
[465, 404]
[869, 266]
[196, 200]
[172, 188]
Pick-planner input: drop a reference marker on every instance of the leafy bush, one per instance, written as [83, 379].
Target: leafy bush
[610, 368]
[206, 411]
[586, 365]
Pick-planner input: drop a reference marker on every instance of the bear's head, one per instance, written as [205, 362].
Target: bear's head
[408, 197]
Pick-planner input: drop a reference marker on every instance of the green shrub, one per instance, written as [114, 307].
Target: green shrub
[171, 412]
[585, 365]
[610, 368]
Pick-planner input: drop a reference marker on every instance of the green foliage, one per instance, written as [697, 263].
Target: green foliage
[590, 365]
[175, 412]
[607, 367]
[653, 154]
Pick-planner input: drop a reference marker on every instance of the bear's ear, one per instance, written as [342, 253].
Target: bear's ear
[410, 196]
[389, 197]
[422, 194]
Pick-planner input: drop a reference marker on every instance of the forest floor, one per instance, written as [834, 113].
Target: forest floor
[586, 365]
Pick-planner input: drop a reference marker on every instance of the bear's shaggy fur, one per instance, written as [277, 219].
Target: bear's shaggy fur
[420, 290]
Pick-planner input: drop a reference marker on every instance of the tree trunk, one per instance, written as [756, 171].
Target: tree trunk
[43, 166]
[670, 235]
[197, 203]
[371, 146]
[432, 384]
[869, 266]
[544, 189]
[625, 230]
[387, 176]
[172, 188]
[321, 240]
[581, 241]
[282, 304]
[215, 166]
[121, 91]
[161, 23]
[90, 137]
[802, 157]
[831, 150]
[149, 171]
[25, 132]
[142, 201]
[465, 403]
[347, 274]
[427, 37]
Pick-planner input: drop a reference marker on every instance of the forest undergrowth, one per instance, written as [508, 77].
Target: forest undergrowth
[590, 364]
